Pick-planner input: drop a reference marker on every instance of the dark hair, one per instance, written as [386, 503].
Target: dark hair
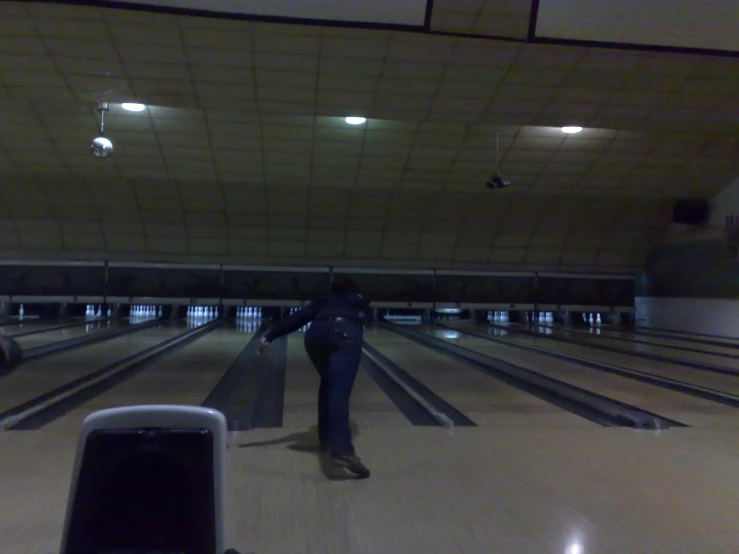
[345, 286]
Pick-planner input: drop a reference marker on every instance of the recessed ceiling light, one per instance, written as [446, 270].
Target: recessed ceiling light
[571, 130]
[133, 107]
[356, 120]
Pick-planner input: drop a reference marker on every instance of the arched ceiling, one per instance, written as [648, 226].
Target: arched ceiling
[243, 155]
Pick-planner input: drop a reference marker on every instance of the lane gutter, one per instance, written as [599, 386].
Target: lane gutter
[59, 327]
[260, 402]
[685, 336]
[234, 381]
[266, 412]
[417, 402]
[587, 404]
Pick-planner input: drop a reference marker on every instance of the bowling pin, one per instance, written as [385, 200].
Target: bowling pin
[21, 311]
[597, 319]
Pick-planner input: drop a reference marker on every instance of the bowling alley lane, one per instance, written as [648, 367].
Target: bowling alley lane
[42, 339]
[33, 378]
[185, 376]
[637, 348]
[35, 324]
[370, 406]
[480, 397]
[705, 337]
[610, 332]
[682, 407]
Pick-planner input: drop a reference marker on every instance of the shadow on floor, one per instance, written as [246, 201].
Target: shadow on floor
[307, 442]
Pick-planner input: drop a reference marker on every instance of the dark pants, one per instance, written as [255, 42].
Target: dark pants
[335, 348]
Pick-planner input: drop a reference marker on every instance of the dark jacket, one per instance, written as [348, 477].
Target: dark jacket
[352, 306]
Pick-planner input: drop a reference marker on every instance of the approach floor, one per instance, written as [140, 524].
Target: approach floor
[531, 477]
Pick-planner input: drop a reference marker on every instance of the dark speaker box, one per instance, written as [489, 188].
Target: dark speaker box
[691, 211]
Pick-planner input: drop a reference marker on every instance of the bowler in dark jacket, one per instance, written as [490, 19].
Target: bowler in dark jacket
[334, 345]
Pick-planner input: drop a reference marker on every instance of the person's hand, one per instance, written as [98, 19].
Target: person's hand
[263, 346]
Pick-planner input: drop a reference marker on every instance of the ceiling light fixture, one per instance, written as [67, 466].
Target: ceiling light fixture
[571, 130]
[356, 120]
[133, 107]
[497, 181]
[100, 146]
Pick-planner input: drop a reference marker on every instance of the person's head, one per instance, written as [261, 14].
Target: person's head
[345, 285]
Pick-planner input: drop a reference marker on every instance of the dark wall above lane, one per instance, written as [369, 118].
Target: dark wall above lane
[42, 280]
[190, 283]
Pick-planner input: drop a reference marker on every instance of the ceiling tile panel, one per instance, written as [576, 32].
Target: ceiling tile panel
[236, 107]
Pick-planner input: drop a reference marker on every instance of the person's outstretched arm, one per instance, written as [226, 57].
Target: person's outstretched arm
[368, 315]
[293, 322]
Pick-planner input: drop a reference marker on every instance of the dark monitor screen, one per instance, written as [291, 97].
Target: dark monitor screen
[145, 491]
